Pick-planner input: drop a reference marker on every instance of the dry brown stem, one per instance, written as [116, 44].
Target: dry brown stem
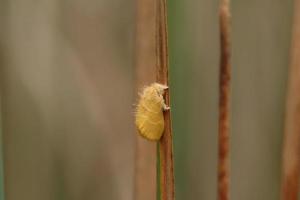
[224, 102]
[291, 148]
[166, 142]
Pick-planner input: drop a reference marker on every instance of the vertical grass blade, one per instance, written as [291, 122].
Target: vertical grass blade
[165, 159]
[291, 146]
[224, 102]
[158, 177]
[145, 61]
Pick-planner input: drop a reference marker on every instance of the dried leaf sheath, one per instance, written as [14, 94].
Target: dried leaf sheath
[145, 61]
[224, 101]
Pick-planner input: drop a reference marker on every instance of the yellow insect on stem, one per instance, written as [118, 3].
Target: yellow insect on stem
[149, 117]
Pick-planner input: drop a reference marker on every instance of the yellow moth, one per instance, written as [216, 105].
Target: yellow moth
[149, 117]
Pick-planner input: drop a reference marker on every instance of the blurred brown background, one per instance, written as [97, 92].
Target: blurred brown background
[67, 90]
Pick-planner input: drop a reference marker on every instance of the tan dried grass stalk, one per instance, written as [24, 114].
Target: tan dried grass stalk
[224, 102]
[166, 168]
[291, 146]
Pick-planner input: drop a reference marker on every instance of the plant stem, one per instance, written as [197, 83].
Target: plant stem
[145, 158]
[224, 102]
[291, 148]
[166, 143]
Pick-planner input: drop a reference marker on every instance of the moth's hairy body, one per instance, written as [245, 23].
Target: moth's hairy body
[149, 114]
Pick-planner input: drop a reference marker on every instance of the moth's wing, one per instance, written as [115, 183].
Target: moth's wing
[149, 116]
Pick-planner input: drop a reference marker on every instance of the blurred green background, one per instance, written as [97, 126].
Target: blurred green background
[67, 89]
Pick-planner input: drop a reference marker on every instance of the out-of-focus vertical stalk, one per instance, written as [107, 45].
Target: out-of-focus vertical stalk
[1, 161]
[145, 171]
[224, 101]
[165, 158]
[291, 147]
